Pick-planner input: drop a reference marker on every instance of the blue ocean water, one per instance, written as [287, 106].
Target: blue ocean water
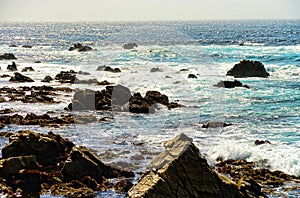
[268, 110]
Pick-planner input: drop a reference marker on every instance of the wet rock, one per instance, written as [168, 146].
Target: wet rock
[80, 48]
[180, 171]
[27, 69]
[37, 61]
[113, 70]
[5, 76]
[20, 78]
[192, 76]
[6, 111]
[48, 149]
[231, 84]
[7, 56]
[27, 46]
[83, 73]
[47, 79]
[66, 76]
[248, 68]
[155, 69]
[12, 67]
[13, 45]
[105, 82]
[215, 125]
[82, 163]
[254, 171]
[130, 45]
[259, 142]
[123, 186]
[119, 98]
[12, 165]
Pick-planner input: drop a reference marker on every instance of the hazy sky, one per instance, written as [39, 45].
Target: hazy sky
[112, 10]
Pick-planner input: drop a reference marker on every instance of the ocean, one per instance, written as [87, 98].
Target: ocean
[269, 110]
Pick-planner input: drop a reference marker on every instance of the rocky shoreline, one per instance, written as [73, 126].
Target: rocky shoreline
[34, 163]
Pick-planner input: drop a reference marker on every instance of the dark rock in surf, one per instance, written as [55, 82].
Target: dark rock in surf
[20, 78]
[12, 67]
[248, 68]
[27, 46]
[8, 56]
[181, 171]
[66, 76]
[80, 48]
[113, 70]
[215, 125]
[155, 69]
[130, 45]
[192, 76]
[260, 142]
[231, 84]
[47, 79]
[27, 69]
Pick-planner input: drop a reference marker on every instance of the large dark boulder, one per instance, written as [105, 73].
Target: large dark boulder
[66, 76]
[181, 171]
[248, 68]
[20, 78]
[7, 56]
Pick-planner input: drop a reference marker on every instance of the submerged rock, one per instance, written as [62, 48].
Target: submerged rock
[192, 76]
[180, 171]
[20, 78]
[216, 125]
[47, 79]
[248, 68]
[231, 84]
[27, 69]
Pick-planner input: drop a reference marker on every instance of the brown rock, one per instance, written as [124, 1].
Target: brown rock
[180, 171]
[7, 56]
[20, 78]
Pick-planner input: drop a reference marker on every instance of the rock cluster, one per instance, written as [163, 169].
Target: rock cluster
[248, 68]
[33, 94]
[108, 69]
[70, 77]
[180, 171]
[34, 163]
[231, 84]
[12, 67]
[80, 48]
[119, 98]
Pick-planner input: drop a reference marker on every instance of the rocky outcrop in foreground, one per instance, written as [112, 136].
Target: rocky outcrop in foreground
[180, 171]
[248, 68]
[34, 163]
[119, 98]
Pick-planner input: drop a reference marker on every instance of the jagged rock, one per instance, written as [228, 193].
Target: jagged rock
[47, 79]
[12, 67]
[248, 68]
[231, 84]
[216, 125]
[13, 45]
[82, 163]
[192, 76]
[26, 69]
[7, 56]
[130, 45]
[123, 186]
[20, 78]
[48, 149]
[180, 171]
[80, 48]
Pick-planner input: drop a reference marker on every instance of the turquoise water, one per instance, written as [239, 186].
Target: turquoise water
[268, 110]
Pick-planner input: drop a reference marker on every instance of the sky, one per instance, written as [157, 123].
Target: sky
[149, 10]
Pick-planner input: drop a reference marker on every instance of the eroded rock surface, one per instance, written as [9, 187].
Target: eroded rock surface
[248, 68]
